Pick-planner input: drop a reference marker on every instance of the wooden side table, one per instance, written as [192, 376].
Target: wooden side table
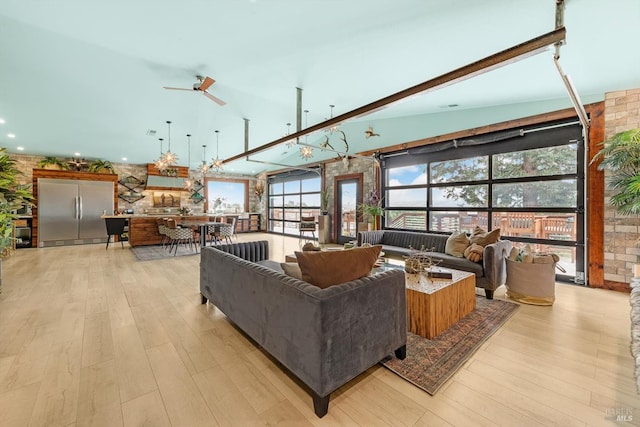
[433, 305]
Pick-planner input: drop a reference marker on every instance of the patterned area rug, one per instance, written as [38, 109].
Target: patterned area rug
[430, 363]
[149, 253]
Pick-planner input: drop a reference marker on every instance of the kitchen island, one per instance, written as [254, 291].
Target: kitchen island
[143, 228]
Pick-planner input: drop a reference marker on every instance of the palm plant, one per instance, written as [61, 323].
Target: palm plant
[324, 201]
[620, 155]
[99, 165]
[13, 196]
[53, 161]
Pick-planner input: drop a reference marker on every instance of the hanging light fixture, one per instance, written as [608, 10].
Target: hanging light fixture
[306, 152]
[204, 167]
[217, 162]
[160, 164]
[334, 127]
[188, 183]
[291, 142]
[169, 157]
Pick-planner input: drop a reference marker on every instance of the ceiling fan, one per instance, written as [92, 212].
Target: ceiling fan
[202, 85]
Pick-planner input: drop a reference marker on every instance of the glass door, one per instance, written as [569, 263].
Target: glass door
[348, 195]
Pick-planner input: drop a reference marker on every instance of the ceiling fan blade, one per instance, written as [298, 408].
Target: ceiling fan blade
[218, 101]
[177, 88]
[206, 83]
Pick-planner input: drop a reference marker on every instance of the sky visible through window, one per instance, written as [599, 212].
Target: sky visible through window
[227, 197]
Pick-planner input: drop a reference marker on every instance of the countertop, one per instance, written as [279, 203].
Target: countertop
[155, 215]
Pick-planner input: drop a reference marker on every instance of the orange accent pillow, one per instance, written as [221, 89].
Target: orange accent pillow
[329, 268]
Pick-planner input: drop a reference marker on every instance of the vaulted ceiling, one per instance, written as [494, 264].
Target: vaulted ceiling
[87, 77]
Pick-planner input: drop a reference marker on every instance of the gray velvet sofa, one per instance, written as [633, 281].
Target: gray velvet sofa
[490, 274]
[325, 337]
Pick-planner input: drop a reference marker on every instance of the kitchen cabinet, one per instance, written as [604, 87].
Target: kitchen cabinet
[249, 223]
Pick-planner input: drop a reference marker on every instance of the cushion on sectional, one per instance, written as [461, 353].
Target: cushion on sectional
[329, 268]
[448, 261]
[484, 238]
[291, 269]
[456, 244]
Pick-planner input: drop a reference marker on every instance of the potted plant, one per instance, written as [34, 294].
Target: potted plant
[13, 196]
[324, 202]
[101, 166]
[372, 207]
[620, 155]
[53, 163]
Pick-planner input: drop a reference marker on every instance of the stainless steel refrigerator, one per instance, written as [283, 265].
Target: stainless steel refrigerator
[69, 211]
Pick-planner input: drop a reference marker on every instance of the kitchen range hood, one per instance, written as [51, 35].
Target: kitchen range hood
[164, 183]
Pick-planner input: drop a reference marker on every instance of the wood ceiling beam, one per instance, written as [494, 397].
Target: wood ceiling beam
[505, 57]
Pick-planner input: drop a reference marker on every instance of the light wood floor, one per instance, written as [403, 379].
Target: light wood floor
[90, 336]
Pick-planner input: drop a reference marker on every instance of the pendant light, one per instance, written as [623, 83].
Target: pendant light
[217, 163]
[160, 164]
[306, 152]
[188, 183]
[169, 157]
[204, 167]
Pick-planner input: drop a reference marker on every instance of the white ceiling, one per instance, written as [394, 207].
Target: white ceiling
[87, 76]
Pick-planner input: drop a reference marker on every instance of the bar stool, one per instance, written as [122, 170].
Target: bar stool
[115, 227]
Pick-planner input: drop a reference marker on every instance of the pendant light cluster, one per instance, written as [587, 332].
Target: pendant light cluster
[188, 183]
[169, 158]
[159, 163]
[204, 167]
[216, 166]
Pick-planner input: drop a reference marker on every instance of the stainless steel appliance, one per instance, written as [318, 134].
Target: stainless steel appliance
[69, 211]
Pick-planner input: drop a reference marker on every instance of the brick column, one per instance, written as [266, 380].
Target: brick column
[621, 233]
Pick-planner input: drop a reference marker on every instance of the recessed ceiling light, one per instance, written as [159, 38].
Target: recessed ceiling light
[124, 159]
[11, 135]
[1, 121]
[76, 154]
[20, 148]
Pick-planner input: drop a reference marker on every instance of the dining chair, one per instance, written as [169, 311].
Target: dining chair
[162, 230]
[180, 235]
[229, 232]
[226, 231]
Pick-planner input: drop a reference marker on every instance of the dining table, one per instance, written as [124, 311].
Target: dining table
[203, 227]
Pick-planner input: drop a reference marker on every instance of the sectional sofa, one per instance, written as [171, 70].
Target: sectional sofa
[490, 273]
[325, 337]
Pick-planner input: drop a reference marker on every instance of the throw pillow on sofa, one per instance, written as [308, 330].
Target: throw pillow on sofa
[329, 268]
[474, 252]
[292, 269]
[456, 244]
[484, 238]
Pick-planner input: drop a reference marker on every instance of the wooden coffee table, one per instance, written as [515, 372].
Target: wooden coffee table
[433, 305]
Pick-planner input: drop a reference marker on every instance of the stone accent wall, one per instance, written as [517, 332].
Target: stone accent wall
[621, 233]
[354, 165]
[27, 163]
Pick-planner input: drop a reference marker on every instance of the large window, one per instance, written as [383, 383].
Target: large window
[529, 184]
[292, 196]
[226, 196]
